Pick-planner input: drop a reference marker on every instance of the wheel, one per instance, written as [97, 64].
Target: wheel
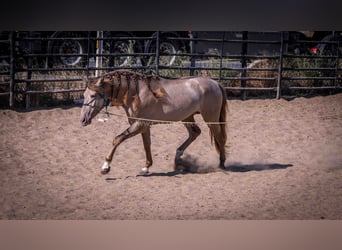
[167, 51]
[69, 46]
[329, 49]
[117, 47]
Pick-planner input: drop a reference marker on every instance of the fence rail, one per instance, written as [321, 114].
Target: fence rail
[35, 64]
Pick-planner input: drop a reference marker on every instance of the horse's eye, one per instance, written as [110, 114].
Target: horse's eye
[92, 96]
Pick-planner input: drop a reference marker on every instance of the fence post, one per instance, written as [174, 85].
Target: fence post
[192, 50]
[280, 65]
[221, 55]
[99, 50]
[12, 73]
[88, 45]
[157, 52]
[29, 75]
[244, 64]
[337, 40]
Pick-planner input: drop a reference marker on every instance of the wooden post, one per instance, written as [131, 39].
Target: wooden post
[337, 56]
[157, 52]
[88, 54]
[29, 76]
[192, 51]
[221, 55]
[244, 64]
[12, 73]
[280, 65]
[99, 50]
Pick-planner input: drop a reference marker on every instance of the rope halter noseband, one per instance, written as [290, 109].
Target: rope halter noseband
[105, 103]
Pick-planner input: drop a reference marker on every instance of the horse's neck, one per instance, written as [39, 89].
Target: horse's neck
[122, 89]
[126, 86]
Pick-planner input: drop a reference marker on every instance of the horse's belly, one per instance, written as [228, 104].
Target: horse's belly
[174, 110]
[180, 109]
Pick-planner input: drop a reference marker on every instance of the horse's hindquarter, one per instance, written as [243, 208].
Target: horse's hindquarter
[183, 98]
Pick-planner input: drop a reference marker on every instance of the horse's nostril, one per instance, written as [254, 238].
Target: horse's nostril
[83, 122]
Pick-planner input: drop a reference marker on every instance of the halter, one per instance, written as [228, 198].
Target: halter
[118, 89]
[105, 104]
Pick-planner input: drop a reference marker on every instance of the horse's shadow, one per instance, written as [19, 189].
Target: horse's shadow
[256, 167]
[191, 166]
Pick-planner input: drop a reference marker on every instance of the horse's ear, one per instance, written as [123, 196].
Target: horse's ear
[99, 82]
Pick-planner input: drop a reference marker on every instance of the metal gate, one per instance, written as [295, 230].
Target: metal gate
[43, 68]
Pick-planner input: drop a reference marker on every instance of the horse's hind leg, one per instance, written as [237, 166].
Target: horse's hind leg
[133, 130]
[194, 131]
[220, 141]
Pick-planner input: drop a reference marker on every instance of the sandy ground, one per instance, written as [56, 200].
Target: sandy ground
[284, 161]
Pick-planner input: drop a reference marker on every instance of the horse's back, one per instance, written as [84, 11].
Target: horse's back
[182, 98]
[202, 89]
[190, 85]
[195, 94]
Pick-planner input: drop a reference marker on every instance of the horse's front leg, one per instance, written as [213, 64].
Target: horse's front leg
[146, 136]
[133, 130]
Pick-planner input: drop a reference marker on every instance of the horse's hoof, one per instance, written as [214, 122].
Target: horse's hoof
[180, 171]
[105, 170]
[144, 171]
[141, 173]
[223, 167]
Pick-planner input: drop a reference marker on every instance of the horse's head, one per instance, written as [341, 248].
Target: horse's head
[93, 100]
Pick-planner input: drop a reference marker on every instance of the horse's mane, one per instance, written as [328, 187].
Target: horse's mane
[131, 74]
[152, 81]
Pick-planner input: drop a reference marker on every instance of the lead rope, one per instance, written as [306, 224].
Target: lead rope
[106, 103]
[150, 121]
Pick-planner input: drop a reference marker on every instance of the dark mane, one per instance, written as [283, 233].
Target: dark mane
[116, 77]
[130, 74]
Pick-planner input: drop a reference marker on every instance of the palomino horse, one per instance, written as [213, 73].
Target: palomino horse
[148, 99]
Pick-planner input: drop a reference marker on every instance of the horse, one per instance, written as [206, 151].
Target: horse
[148, 99]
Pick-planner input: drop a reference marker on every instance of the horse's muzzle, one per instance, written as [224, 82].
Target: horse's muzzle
[84, 121]
[85, 117]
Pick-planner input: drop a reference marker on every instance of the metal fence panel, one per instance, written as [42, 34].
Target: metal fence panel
[37, 65]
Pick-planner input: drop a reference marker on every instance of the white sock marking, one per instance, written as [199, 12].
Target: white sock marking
[105, 165]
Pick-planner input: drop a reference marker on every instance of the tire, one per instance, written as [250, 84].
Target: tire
[69, 46]
[117, 47]
[166, 47]
[327, 49]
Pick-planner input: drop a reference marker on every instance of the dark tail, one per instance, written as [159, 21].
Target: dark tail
[222, 120]
[223, 114]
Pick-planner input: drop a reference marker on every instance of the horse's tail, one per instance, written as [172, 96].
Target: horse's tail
[223, 114]
[222, 120]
